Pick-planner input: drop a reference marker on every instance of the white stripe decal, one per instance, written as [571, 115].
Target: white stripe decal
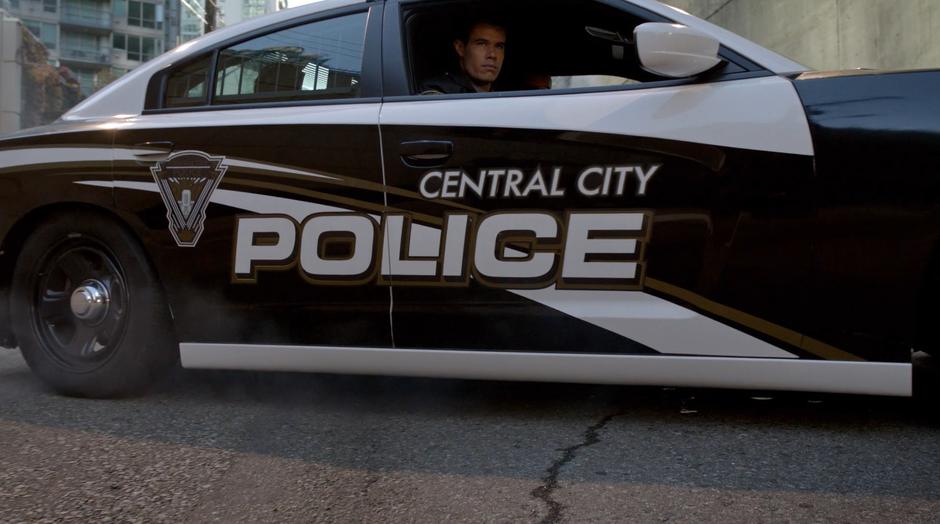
[235, 162]
[345, 114]
[649, 320]
[53, 155]
[873, 378]
[128, 154]
[254, 203]
[654, 322]
[762, 114]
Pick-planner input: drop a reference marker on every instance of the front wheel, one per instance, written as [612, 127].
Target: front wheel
[87, 309]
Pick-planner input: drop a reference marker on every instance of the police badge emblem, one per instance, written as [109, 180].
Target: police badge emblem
[186, 180]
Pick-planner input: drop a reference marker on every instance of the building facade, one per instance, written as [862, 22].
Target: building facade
[192, 19]
[833, 34]
[100, 40]
[32, 91]
[11, 71]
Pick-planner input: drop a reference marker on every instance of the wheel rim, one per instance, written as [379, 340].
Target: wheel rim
[80, 301]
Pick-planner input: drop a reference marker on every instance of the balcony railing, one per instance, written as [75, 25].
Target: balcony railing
[86, 17]
[100, 55]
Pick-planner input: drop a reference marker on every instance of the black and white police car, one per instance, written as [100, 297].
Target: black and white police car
[682, 207]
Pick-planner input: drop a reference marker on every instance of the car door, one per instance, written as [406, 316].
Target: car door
[222, 180]
[662, 217]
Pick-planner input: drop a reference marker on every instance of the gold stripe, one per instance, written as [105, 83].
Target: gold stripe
[820, 349]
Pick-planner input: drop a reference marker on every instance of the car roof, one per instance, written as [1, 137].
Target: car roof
[125, 96]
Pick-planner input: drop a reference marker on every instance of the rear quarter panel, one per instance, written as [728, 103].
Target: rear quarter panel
[41, 170]
[877, 142]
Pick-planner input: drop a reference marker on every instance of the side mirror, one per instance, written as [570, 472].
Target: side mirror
[674, 50]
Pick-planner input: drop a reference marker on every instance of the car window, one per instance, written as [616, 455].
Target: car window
[570, 44]
[318, 60]
[186, 86]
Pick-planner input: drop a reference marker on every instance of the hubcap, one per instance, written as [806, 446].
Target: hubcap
[80, 306]
[90, 302]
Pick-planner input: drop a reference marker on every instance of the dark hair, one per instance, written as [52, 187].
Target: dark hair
[463, 33]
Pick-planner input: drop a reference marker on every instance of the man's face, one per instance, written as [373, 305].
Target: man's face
[481, 57]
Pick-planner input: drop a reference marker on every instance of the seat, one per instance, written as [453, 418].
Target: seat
[279, 77]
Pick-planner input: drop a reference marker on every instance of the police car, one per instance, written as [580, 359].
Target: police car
[681, 207]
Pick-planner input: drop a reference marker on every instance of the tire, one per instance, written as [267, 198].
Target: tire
[87, 309]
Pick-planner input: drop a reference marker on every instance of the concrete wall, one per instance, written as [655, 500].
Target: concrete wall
[11, 73]
[833, 34]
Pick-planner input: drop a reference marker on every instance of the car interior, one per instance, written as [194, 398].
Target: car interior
[576, 43]
[551, 44]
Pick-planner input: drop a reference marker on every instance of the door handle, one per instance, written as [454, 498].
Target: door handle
[426, 153]
[156, 151]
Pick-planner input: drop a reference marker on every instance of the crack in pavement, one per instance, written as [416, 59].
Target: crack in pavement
[371, 480]
[550, 480]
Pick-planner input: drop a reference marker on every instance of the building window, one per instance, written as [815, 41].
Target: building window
[133, 47]
[14, 4]
[139, 48]
[47, 33]
[50, 6]
[119, 8]
[144, 14]
[33, 26]
[87, 43]
[252, 8]
[87, 79]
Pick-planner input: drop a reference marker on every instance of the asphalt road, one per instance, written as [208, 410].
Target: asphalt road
[243, 447]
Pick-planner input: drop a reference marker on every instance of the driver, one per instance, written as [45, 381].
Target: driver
[480, 50]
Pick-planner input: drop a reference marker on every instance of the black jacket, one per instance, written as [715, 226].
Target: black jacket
[446, 84]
